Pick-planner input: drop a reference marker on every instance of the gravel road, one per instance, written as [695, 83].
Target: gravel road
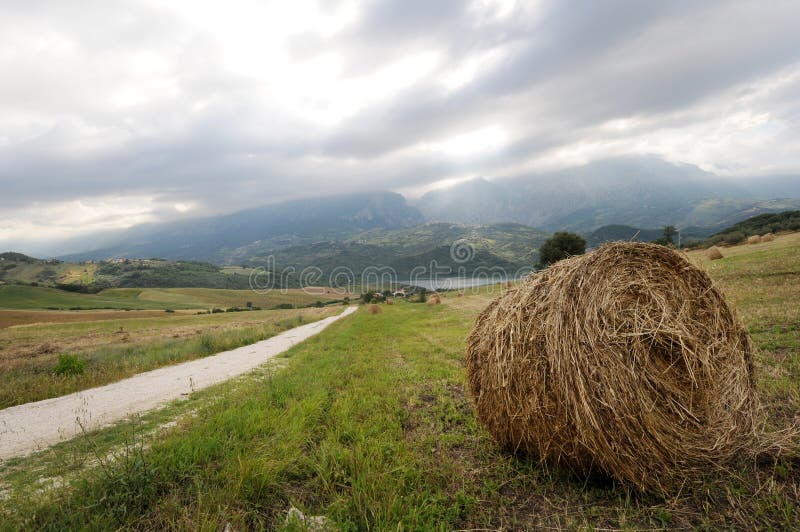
[34, 426]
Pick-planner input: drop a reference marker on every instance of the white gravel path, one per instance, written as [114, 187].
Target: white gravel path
[34, 426]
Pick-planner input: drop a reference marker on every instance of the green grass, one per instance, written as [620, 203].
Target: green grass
[114, 349]
[36, 297]
[368, 424]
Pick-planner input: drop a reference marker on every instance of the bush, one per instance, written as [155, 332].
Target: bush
[70, 365]
[368, 296]
[283, 306]
[560, 246]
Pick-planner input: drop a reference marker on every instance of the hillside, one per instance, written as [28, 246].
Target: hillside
[506, 246]
[757, 225]
[611, 233]
[92, 276]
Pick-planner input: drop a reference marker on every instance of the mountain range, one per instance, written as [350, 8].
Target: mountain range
[497, 217]
[638, 191]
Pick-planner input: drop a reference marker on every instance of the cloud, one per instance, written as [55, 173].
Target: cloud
[222, 107]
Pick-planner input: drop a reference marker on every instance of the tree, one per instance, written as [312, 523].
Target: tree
[423, 294]
[368, 296]
[669, 233]
[666, 239]
[560, 246]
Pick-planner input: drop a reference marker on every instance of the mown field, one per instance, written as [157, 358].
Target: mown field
[112, 349]
[21, 305]
[368, 424]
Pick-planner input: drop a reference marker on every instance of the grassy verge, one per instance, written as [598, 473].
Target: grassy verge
[32, 357]
[368, 424]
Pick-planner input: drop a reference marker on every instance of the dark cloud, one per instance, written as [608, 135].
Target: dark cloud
[154, 100]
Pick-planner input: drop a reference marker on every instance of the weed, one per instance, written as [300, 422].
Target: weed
[70, 365]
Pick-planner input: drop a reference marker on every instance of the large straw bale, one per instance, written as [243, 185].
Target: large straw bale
[626, 361]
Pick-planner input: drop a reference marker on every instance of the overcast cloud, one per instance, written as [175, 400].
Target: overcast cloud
[116, 113]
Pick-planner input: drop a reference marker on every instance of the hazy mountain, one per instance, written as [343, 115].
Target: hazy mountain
[632, 191]
[275, 226]
[636, 191]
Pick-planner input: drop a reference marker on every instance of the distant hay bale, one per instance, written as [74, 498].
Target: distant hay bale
[755, 239]
[434, 299]
[460, 294]
[625, 361]
[714, 253]
[389, 301]
[374, 309]
[769, 237]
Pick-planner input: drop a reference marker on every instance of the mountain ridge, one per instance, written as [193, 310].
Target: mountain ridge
[633, 191]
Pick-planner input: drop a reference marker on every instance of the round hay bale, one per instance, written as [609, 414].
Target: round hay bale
[755, 239]
[374, 309]
[389, 301]
[434, 299]
[714, 253]
[626, 361]
[769, 237]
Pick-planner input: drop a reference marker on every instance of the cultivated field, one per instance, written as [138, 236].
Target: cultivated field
[113, 349]
[368, 424]
[32, 297]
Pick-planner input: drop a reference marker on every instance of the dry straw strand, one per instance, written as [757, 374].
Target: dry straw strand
[626, 361]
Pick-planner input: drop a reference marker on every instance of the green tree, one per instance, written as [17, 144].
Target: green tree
[667, 238]
[669, 234]
[560, 246]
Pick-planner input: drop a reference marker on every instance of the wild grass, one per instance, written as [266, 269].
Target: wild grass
[369, 425]
[111, 350]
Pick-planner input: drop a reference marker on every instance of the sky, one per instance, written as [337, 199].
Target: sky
[119, 113]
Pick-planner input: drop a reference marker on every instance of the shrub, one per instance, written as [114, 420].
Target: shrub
[70, 365]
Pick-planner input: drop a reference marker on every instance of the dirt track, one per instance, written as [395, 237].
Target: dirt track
[33, 426]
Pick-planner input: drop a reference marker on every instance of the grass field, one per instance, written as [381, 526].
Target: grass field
[368, 424]
[32, 297]
[115, 349]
